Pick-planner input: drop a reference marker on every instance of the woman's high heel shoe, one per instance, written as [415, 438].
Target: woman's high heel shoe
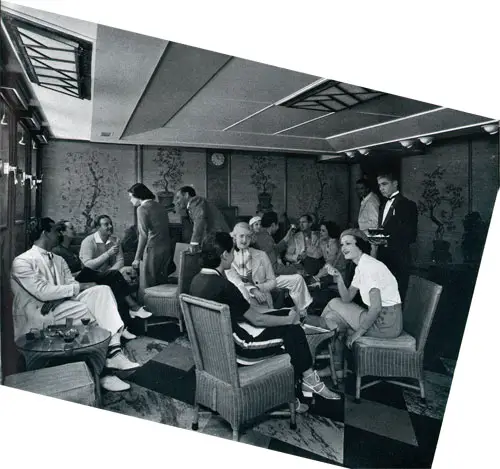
[311, 384]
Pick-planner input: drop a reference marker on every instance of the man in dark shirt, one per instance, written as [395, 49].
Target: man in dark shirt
[265, 242]
[256, 334]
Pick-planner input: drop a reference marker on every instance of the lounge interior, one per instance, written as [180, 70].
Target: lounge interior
[77, 133]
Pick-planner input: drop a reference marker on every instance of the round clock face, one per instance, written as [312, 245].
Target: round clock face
[217, 159]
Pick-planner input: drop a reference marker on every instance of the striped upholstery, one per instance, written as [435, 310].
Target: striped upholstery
[401, 357]
[163, 300]
[70, 382]
[237, 394]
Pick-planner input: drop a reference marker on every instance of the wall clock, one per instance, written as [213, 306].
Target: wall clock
[217, 159]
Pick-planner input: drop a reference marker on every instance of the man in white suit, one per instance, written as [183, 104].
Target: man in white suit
[253, 274]
[45, 292]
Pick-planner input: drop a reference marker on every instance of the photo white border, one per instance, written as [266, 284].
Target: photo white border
[439, 52]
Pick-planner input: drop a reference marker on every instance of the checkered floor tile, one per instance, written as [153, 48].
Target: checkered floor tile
[390, 427]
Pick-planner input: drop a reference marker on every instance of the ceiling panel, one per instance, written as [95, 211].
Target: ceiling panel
[383, 109]
[181, 73]
[212, 113]
[441, 120]
[275, 119]
[336, 123]
[252, 81]
[229, 140]
[118, 86]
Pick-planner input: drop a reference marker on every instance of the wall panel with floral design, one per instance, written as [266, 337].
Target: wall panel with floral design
[82, 180]
[244, 194]
[193, 171]
[318, 188]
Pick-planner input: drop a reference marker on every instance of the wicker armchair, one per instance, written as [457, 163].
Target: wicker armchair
[163, 300]
[238, 394]
[403, 356]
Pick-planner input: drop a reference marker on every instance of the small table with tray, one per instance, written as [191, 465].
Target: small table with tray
[61, 344]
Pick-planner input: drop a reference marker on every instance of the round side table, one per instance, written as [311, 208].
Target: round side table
[90, 346]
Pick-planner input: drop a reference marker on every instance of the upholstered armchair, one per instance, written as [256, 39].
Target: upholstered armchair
[402, 357]
[238, 394]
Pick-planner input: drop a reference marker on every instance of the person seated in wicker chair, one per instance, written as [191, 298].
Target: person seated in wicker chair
[113, 278]
[303, 250]
[102, 255]
[46, 292]
[256, 334]
[255, 226]
[322, 286]
[254, 276]
[264, 240]
[378, 287]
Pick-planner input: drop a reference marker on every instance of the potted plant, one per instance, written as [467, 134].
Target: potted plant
[434, 198]
[262, 181]
[474, 238]
[171, 164]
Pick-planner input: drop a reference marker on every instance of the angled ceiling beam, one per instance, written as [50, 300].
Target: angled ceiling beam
[435, 121]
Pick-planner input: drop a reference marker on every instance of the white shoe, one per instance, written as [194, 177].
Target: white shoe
[114, 384]
[121, 362]
[127, 335]
[140, 313]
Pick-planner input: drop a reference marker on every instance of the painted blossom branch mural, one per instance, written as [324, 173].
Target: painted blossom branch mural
[171, 166]
[318, 192]
[439, 201]
[92, 184]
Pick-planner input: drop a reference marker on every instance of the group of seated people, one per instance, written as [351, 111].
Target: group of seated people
[245, 269]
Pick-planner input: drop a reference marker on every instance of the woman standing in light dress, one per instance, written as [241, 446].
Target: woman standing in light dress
[154, 247]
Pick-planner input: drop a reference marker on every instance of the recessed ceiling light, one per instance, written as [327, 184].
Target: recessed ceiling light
[106, 134]
[492, 129]
[406, 143]
[426, 140]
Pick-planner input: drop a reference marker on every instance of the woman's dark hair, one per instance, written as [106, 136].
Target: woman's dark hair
[360, 239]
[332, 228]
[140, 191]
[97, 221]
[188, 190]
[365, 246]
[213, 246]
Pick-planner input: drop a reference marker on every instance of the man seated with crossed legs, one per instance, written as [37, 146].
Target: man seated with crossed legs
[256, 334]
[45, 291]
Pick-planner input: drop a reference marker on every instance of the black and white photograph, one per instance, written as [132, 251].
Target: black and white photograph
[258, 256]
